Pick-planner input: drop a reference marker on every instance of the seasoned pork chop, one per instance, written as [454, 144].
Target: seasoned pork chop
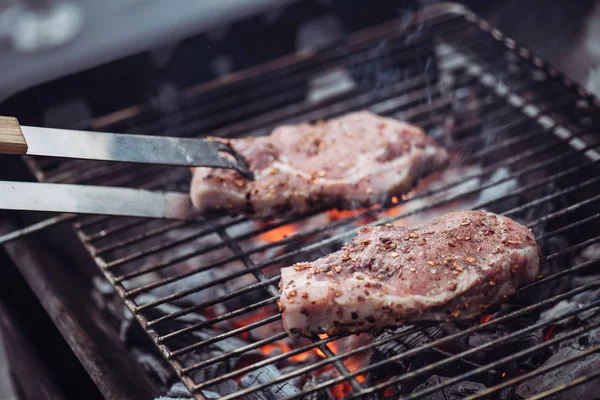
[356, 160]
[447, 268]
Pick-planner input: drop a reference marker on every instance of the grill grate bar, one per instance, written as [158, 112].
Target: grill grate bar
[536, 372]
[218, 338]
[212, 302]
[173, 243]
[297, 351]
[257, 365]
[133, 239]
[573, 249]
[574, 224]
[215, 320]
[496, 363]
[430, 345]
[575, 382]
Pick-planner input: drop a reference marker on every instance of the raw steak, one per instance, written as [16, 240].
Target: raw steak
[450, 267]
[356, 160]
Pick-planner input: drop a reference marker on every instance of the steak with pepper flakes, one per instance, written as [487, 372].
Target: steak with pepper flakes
[356, 160]
[450, 267]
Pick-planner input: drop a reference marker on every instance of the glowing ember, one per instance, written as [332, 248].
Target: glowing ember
[550, 332]
[277, 234]
[335, 215]
[504, 374]
[485, 318]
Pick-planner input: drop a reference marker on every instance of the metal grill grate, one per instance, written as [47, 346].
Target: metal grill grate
[205, 292]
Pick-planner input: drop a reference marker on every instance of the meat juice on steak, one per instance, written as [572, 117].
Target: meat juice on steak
[356, 160]
[447, 268]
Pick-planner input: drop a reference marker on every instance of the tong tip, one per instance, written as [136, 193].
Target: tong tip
[240, 165]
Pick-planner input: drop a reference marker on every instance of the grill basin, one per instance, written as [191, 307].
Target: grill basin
[205, 292]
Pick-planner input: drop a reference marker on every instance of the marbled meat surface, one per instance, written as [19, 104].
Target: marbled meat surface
[356, 160]
[450, 267]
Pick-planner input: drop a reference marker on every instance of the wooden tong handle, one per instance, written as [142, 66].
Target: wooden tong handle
[12, 140]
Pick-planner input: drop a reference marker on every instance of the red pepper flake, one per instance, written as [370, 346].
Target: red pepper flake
[304, 295]
[479, 249]
[514, 268]
[346, 257]
[406, 146]
[280, 306]
[413, 235]
[338, 268]
[365, 242]
[394, 254]
[239, 183]
[451, 286]
[329, 273]
[360, 277]
[412, 269]
[455, 314]
[337, 293]
[292, 293]
[492, 283]
[322, 173]
[470, 260]
[465, 222]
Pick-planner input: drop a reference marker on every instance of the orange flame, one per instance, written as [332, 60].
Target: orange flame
[277, 234]
[485, 318]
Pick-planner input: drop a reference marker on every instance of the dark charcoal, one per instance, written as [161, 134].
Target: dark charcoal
[563, 375]
[456, 391]
[322, 394]
[266, 375]
[512, 346]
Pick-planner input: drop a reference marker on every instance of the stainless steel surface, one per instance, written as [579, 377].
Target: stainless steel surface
[102, 200]
[111, 29]
[131, 148]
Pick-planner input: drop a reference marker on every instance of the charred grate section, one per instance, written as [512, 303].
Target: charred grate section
[205, 292]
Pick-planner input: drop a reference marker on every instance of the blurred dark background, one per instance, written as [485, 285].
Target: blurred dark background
[560, 31]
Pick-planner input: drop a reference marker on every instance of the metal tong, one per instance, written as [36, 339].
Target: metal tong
[104, 200]
[161, 150]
